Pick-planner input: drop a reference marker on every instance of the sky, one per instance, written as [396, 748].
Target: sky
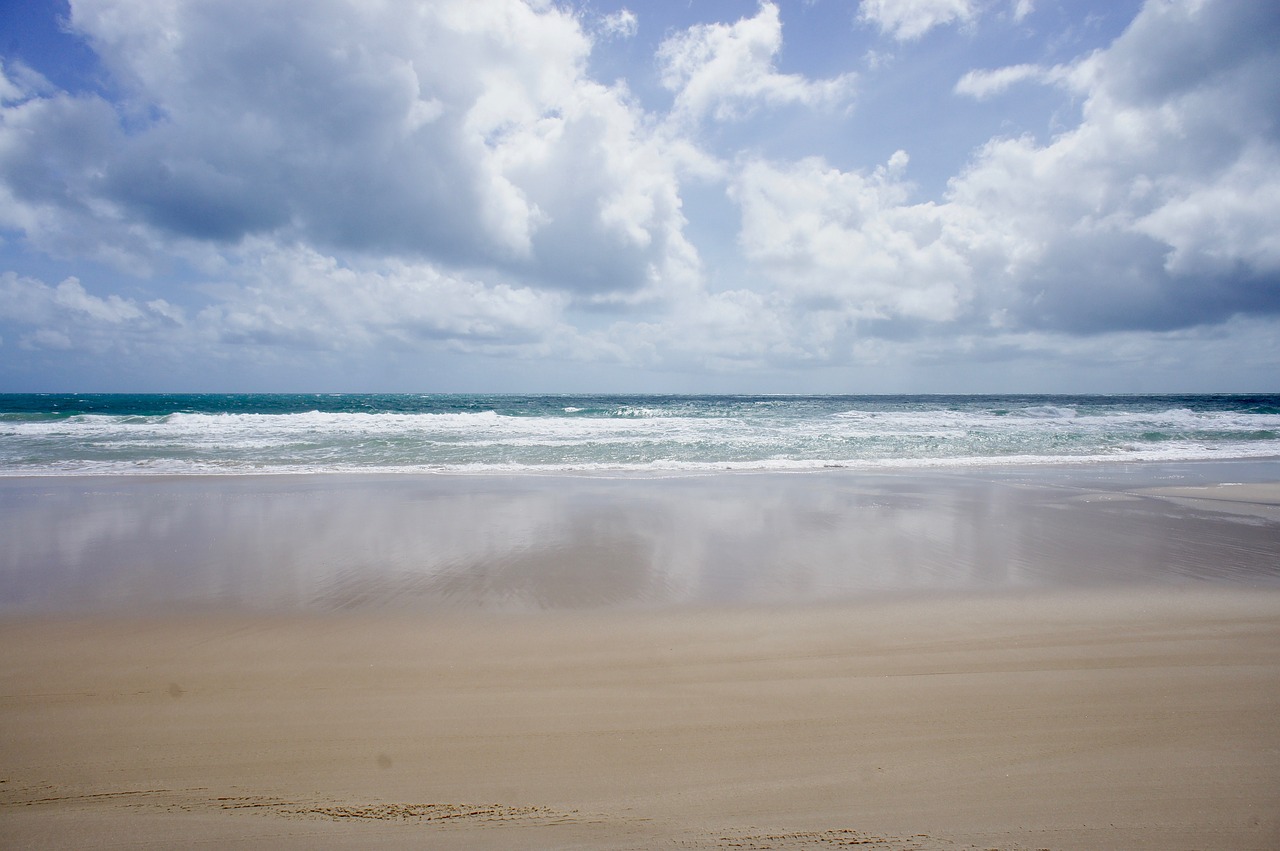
[695, 196]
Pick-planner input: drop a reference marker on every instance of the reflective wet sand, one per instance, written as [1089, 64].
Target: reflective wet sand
[322, 543]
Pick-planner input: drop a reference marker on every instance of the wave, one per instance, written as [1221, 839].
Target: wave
[1047, 412]
[171, 467]
[1179, 419]
[589, 434]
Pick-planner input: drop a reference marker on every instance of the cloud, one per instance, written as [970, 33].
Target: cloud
[298, 297]
[906, 20]
[66, 316]
[1156, 212]
[342, 177]
[441, 131]
[620, 24]
[10, 91]
[850, 244]
[985, 84]
[726, 71]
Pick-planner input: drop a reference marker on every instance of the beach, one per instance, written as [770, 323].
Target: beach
[1066, 658]
[561, 424]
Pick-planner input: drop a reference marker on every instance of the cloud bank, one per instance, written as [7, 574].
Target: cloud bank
[347, 177]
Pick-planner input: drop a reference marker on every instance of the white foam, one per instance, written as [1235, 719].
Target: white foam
[1047, 412]
[166, 467]
[628, 440]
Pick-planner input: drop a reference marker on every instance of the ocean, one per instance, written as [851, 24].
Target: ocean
[239, 434]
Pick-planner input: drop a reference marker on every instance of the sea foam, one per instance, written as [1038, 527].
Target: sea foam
[644, 435]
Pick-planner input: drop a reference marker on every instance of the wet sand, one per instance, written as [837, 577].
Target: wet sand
[536, 543]
[458, 691]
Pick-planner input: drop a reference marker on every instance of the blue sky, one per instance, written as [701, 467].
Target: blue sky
[497, 195]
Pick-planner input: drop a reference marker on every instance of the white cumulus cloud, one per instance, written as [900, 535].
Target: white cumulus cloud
[299, 296]
[620, 24]
[66, 316]
[852, 244]
[905, 20]
[982, 84]
[726, 71]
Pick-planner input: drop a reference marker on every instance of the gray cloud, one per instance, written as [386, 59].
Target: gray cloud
[1159, 210]
[1176, 48]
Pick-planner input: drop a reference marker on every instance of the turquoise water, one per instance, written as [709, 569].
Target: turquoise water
[49, 434]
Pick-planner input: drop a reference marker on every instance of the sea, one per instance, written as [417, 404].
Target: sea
[245, 434]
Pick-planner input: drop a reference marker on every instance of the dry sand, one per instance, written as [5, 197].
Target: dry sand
[1130, 719]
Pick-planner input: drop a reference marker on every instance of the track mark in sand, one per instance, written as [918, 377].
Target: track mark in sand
[47, 794]
[195, 799]
[409, 813]
[445, 815]
[817, 839]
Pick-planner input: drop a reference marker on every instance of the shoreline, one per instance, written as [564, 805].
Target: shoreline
[966, 466]
[976, 465]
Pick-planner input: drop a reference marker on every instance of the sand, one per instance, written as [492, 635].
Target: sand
[1098, 669]
[1130, 720]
